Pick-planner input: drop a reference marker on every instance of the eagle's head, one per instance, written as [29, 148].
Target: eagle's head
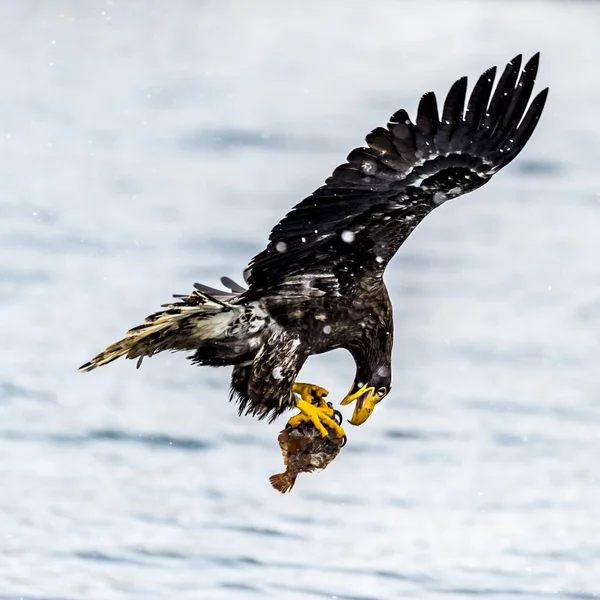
[368, 390]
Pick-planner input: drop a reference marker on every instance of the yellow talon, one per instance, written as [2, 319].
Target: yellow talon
[320, 416]
[309, 392]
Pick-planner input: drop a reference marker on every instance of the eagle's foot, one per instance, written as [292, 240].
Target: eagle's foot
[322, 416]
[309, 392]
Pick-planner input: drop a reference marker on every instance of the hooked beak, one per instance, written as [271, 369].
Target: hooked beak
[364, 404]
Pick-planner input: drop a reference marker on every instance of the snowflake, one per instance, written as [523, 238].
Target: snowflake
[347, 236]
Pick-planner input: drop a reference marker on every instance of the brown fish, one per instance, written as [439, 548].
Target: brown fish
[304, 449]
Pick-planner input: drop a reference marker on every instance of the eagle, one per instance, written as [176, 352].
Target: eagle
[318, 285]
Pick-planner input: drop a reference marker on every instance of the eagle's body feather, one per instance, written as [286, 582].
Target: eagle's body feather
[318, 285]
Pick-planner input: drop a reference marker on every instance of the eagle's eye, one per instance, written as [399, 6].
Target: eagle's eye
[381, 392]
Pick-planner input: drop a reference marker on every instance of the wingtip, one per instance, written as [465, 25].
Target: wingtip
[541, 98]
[398, 118]
[491, 72]
[532, 64]
[459, 87]
[516, 61]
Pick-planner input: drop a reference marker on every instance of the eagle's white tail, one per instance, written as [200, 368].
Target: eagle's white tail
[183, 325]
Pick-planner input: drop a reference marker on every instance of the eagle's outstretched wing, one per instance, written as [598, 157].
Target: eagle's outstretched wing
[357, 221]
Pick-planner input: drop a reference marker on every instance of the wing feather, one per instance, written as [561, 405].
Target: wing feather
[480, 98]
[427, 115]
[501, 98]
[452, 112]
[519, 100]
[356, 222]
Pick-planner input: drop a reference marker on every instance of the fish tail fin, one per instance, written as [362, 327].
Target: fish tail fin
[282, 482]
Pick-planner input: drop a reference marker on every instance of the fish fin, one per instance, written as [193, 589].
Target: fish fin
[282, 482]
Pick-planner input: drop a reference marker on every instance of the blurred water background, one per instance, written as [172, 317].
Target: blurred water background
[148, 145]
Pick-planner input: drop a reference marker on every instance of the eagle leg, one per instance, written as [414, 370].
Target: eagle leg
[321, 414]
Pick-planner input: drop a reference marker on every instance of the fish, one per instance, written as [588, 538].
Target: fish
[304, 450]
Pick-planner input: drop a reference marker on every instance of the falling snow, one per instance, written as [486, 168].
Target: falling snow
[281, 247]
[347, 236]
[277, 373]
[327, 329]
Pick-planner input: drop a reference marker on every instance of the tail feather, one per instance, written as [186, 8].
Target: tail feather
[182, 325]
[236, 288]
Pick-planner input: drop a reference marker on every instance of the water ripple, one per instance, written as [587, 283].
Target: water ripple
[239, 139]
[406, 434]
[111, 435]
[103, 557]
[152, 440]
[321, 593]
[240, 587]
[10, 391]
[29, 597]
[514, 592]
[260, 531]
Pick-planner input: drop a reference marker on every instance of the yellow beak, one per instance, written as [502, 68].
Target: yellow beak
[364, 404]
